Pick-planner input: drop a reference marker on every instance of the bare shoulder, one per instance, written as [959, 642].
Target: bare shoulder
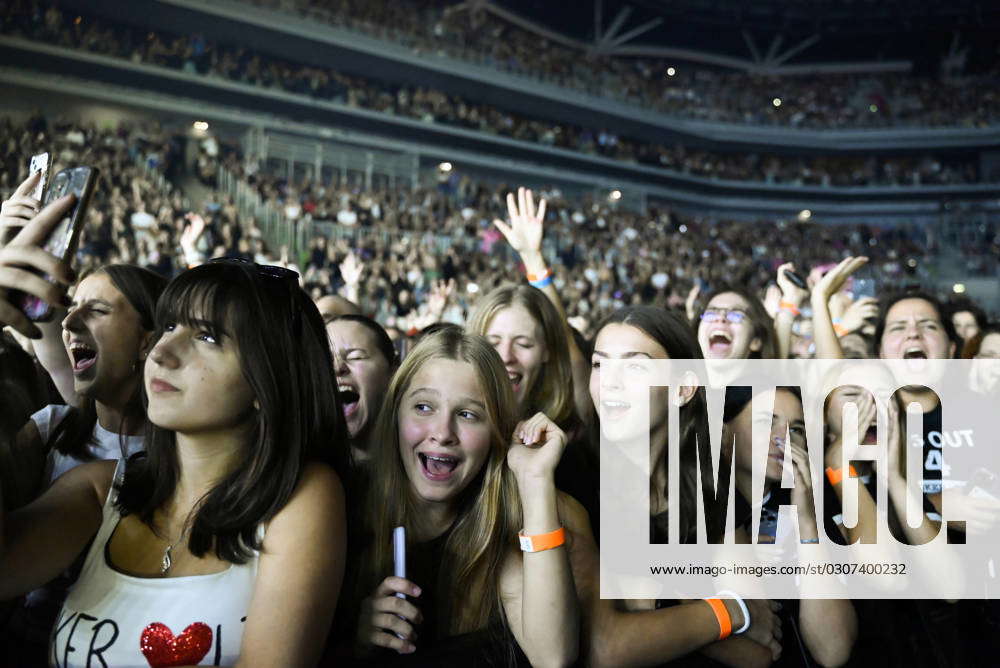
[97, 476]
[316, 504]
[318, 478]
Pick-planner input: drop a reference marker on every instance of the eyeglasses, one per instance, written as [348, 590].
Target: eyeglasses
[718, 315]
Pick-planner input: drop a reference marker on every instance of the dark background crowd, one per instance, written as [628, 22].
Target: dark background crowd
[197, 55]
[412, 249]
[827, 101]
[606, 255]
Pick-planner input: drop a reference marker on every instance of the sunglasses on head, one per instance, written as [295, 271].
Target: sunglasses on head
[287, 277]
[267, 270]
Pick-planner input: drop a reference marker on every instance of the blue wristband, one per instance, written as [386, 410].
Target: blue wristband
[541, 283]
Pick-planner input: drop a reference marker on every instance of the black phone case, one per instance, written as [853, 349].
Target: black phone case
[63, 240]
[796, 279]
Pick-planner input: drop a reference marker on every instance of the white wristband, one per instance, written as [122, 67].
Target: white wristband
[743, 609]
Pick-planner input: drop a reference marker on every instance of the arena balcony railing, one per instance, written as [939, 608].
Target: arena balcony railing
[292, 36]
[179, 94]
[233, 62]
[96, 67]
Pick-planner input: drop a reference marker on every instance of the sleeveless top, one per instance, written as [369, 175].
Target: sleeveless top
[105, 445]
[30, 621]
[113, 619]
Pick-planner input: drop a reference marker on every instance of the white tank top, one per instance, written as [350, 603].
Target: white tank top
[113, 619]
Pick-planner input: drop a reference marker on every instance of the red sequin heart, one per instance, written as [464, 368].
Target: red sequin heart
[163, 650]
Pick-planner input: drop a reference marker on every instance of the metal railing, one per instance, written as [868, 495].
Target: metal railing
[323, 160]
[156, 176]
[275, 229]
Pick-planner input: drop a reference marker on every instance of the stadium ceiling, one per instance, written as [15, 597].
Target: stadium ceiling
[763, 34]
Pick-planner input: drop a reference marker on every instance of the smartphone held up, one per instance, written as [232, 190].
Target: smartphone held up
[39, 165]
[62, 242]
[23, 203]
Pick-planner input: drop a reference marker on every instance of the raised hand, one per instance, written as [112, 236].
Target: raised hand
[536, 447]
[20, 208]
[790, 292]
[692, 299]
[189, 239]
[772, 301]
[351, 269]
[834, 279]
[802, 493]
[23, 262]
[858, 312]
[524, 233]
[437, 299]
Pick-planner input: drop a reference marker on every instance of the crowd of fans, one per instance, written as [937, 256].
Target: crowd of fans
[402, 241]
[134, 205]
[607, 255]
[817, 101]
[196, 55]
[391, 436]
[224, 444]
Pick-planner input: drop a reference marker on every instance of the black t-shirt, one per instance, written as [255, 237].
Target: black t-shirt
[932, 451]
[577, 475]
[493, 646]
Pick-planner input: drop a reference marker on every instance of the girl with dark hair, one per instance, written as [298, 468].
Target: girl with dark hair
[105, 338]
[364, 359]
[94, 356]
[466, 479]
[225, 539]
[911, 325]
[966, 317]
[735, 325]
[984, 347]
[630, 632]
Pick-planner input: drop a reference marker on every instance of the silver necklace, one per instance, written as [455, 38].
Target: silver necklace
[167, 562]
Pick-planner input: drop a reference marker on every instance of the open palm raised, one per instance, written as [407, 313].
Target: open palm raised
[524, 233]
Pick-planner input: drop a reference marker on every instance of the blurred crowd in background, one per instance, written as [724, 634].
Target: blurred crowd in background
[195, 54]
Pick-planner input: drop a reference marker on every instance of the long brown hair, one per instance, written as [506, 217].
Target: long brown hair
[74, 435]
[552, 393]
[489, 510]
[678, 340]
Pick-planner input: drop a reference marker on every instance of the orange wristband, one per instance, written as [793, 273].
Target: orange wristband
[835, 476]
[532, 278]
[790, 307]
[840, 330]
[543, 541]
[722, 616]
